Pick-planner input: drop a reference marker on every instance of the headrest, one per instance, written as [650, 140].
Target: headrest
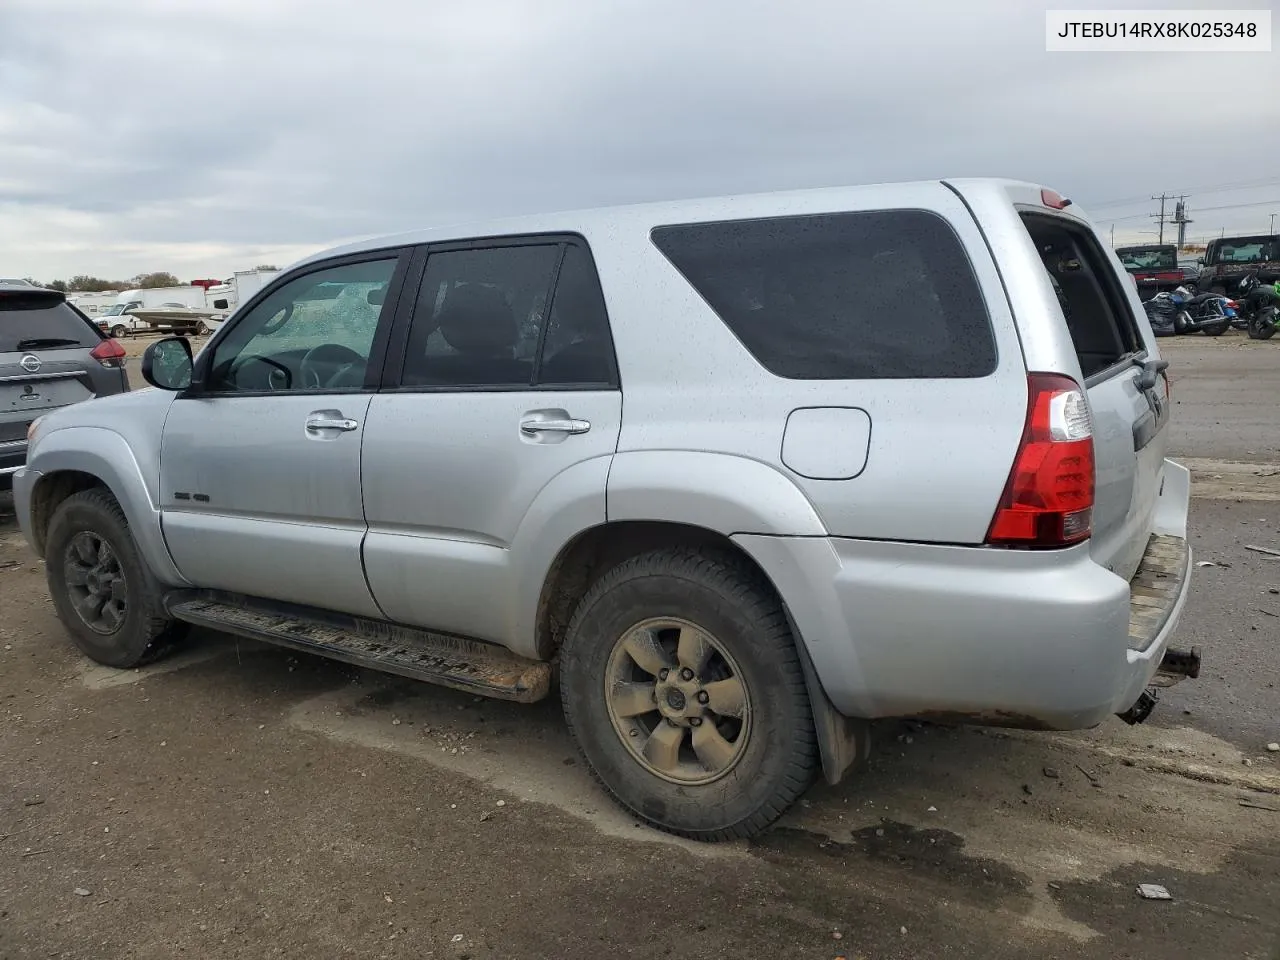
[476, 320]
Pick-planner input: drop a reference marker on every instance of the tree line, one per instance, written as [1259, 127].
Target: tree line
[83, 283]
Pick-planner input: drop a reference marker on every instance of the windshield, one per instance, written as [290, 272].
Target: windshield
[115, 310]
[1146, 258]
[1243, 250]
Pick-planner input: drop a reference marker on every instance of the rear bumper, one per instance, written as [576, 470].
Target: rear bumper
[1017, 638]
[12, 456]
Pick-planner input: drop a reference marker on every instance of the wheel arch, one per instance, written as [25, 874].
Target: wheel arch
[80, 458]
[843, 742]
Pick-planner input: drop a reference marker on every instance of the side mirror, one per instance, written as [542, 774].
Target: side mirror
[167, 364]
[376, 297]
[1199, 261]
[220, 304]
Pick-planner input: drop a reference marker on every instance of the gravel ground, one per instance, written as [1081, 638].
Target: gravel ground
[240, 801]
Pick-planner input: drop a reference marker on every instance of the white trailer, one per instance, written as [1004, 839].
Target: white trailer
[226, 298]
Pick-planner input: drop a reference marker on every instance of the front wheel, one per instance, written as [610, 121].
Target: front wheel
[119, 330]
[101, 588]
[202, 330]
[681, 683]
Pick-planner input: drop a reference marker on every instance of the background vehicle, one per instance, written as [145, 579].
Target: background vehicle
[413, 454]
[1229, 259]
[1153, 266]
[121, 318]
[1258, 306]
[1182, 312]
[51, 356]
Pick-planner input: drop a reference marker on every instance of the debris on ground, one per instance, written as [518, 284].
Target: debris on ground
[1267, 551]
[1153, 891]
[81, 892]
[1273, 748]
[1258, 806]
[1052, 773]
[1206, 563]
[33, 801]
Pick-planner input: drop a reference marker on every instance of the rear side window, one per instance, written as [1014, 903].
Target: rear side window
[40, 322]
[489, 318]
[848, 296]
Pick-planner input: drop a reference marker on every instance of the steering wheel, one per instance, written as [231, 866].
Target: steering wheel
[279, 377]
[328, 354]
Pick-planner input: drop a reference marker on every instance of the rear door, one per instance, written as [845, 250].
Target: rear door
[1129, 416]
[502, 395]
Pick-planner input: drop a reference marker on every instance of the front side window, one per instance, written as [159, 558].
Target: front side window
[315, 332]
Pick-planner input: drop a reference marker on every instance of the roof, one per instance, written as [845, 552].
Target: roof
[777, 203]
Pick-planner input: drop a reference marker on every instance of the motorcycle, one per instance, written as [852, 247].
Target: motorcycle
[1259, 306]
[1181, 312]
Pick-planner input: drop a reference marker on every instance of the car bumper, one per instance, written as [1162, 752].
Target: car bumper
[1047, 640]
[12, 456]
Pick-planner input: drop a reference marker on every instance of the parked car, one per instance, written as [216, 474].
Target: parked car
[1228, 260]
[684, 453]
[51, 356]
[1154, 266]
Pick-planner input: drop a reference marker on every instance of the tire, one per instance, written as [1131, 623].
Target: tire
[1262, 325]
[1217, 329]
[119, 330]
[132, 628]
[771, 737]
[1181, 321]
[202, 330]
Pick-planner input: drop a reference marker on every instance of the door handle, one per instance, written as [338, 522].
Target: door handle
[331, 423]
[535, 426]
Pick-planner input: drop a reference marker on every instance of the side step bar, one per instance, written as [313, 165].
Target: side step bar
[469, 665]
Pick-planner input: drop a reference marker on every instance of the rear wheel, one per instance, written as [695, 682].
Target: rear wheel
[1218, 329]
[101, 589]
[1181, 321]
[1262, 325]
[681, 683]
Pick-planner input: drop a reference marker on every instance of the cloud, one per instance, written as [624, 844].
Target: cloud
[147, 134]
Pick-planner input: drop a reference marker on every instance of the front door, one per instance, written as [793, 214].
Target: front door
[491, 442]
[260, 465]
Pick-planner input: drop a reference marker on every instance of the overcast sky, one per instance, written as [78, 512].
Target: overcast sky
[206, 137]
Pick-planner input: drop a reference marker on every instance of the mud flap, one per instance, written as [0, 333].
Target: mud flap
[844, 743]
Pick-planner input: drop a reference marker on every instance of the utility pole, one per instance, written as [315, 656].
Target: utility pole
[1271, 230]
[1113, 232]
[1161, 217]
[1181, 219]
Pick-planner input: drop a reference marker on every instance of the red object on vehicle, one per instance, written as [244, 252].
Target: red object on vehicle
[1052, 198]
[205, 283]
[109, 353]
[1048, 500]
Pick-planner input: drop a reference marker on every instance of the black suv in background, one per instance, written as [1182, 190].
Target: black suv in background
[1228, 260]
[51, 355]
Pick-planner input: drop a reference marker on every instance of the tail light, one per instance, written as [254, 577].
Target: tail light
[109, 353]
[1048, 500]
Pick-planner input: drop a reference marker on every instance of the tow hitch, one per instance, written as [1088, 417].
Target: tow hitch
[1175, 665]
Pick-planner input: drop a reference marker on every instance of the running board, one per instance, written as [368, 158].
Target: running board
[469, 665]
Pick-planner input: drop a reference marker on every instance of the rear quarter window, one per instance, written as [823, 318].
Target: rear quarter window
[845, 296]
[34, 323]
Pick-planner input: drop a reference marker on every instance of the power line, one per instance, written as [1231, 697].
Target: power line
[1223, 206]
[1215, 188]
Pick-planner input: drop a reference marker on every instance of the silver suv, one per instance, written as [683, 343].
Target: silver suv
[743, 474]
[51, 355]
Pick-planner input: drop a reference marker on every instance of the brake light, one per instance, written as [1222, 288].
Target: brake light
[109, 353]
[1052, 198]
[1048, 500]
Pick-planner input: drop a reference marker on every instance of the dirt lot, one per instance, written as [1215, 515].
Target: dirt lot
[239, 801]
